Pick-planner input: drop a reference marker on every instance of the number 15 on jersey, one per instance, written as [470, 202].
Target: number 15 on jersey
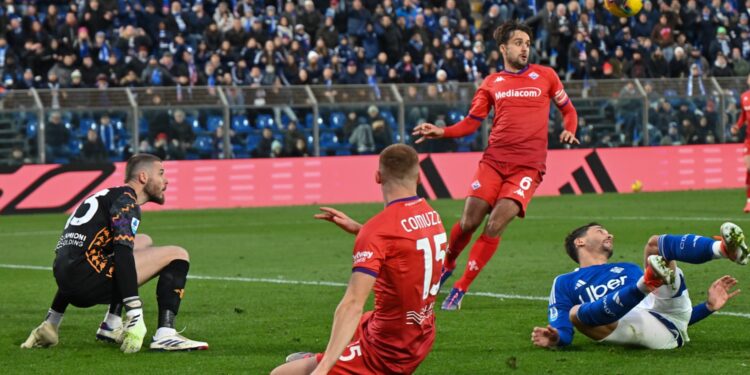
[425, 245]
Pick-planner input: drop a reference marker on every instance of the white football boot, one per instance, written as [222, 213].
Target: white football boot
[110, 335]
[733, 243]
[173, 341]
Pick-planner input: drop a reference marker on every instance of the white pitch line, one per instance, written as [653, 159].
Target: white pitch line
[335, 284]
[258, 224]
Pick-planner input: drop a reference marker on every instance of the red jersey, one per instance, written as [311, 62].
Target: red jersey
[744, 114]
[403, 247]
[522, 103]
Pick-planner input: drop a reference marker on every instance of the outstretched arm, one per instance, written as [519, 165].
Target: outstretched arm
[718, 295]
[346, 318]
[339, 218]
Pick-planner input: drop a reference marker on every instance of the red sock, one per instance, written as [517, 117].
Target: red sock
[480, 254]
[456, 244]
[747, 182]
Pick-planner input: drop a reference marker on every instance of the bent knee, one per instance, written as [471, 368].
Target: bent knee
[179, 253]
[143, 241]
[652, 246]
[469, 224]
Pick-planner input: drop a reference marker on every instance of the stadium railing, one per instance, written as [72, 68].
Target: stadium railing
[233, 118]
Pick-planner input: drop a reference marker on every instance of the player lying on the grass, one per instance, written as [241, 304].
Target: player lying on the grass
[399, 253]
[618, 303]
[101, 260]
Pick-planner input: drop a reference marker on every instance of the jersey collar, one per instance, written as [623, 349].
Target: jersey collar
[518, 72]
[407, 199]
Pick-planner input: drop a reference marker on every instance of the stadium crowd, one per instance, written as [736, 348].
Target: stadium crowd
[121, 43]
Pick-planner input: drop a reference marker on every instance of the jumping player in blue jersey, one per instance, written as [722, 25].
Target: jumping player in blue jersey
[618, 303]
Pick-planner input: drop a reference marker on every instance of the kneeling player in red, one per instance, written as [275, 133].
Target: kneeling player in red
[399, 254]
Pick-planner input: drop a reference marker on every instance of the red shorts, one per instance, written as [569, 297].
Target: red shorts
[362, 358]
[494, 182]
[747, 147]
[352, 360]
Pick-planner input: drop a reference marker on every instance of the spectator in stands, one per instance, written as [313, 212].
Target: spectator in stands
[361, 139]
[721, 67]
[657, 66]
[76, 80]
[180, 135]
[300, 149]
[636, 67]
[697, 61]
[352, 76]
[218, 142]
[382, 133]
[291, 136]
[108, 135]
[263, 148]
[740, 66]
[678, 67]
[277, 149]
[57, 136]
[155, 74]
[392, 40]
[721, 44]
[93, 149]
[89, 71]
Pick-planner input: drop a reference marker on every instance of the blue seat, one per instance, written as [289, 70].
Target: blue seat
[454, 117]
[240, 124]
[328, 138]
[264, 121]
[213, 123]
[309, 121]
[32, 127]
[204, 145]
[338, 119]
[143, 128]
[253, 139]
[388, 116]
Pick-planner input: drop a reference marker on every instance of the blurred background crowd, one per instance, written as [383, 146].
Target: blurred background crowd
[102, 44]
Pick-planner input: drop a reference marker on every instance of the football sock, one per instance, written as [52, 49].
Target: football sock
[456, 244]
[611, 307]
[59, 303]
[747, 182]
[112, 320]
[169, 291]
[689, 248]
[116, 308]
[480, 254]
[54, 317]
[164, 331]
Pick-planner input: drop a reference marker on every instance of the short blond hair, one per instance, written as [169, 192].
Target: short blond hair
[399, 162]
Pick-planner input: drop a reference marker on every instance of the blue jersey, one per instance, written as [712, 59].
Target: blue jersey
[585, 285]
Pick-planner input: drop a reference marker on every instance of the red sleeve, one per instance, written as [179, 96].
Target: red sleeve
[480, 109]
[563, 103]
[369, 252]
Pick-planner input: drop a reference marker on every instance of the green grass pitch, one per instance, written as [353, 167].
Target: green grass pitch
[252, 323]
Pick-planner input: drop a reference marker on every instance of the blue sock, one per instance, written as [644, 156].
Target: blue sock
[688, 248]
[611, 307]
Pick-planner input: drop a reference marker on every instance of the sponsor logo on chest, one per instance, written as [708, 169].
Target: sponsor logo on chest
[523, 92]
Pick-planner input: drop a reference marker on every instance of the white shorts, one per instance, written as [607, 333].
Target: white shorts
[660, 321]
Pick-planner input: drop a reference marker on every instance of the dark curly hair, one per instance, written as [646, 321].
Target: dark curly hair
[503, 32]
[570, 240]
